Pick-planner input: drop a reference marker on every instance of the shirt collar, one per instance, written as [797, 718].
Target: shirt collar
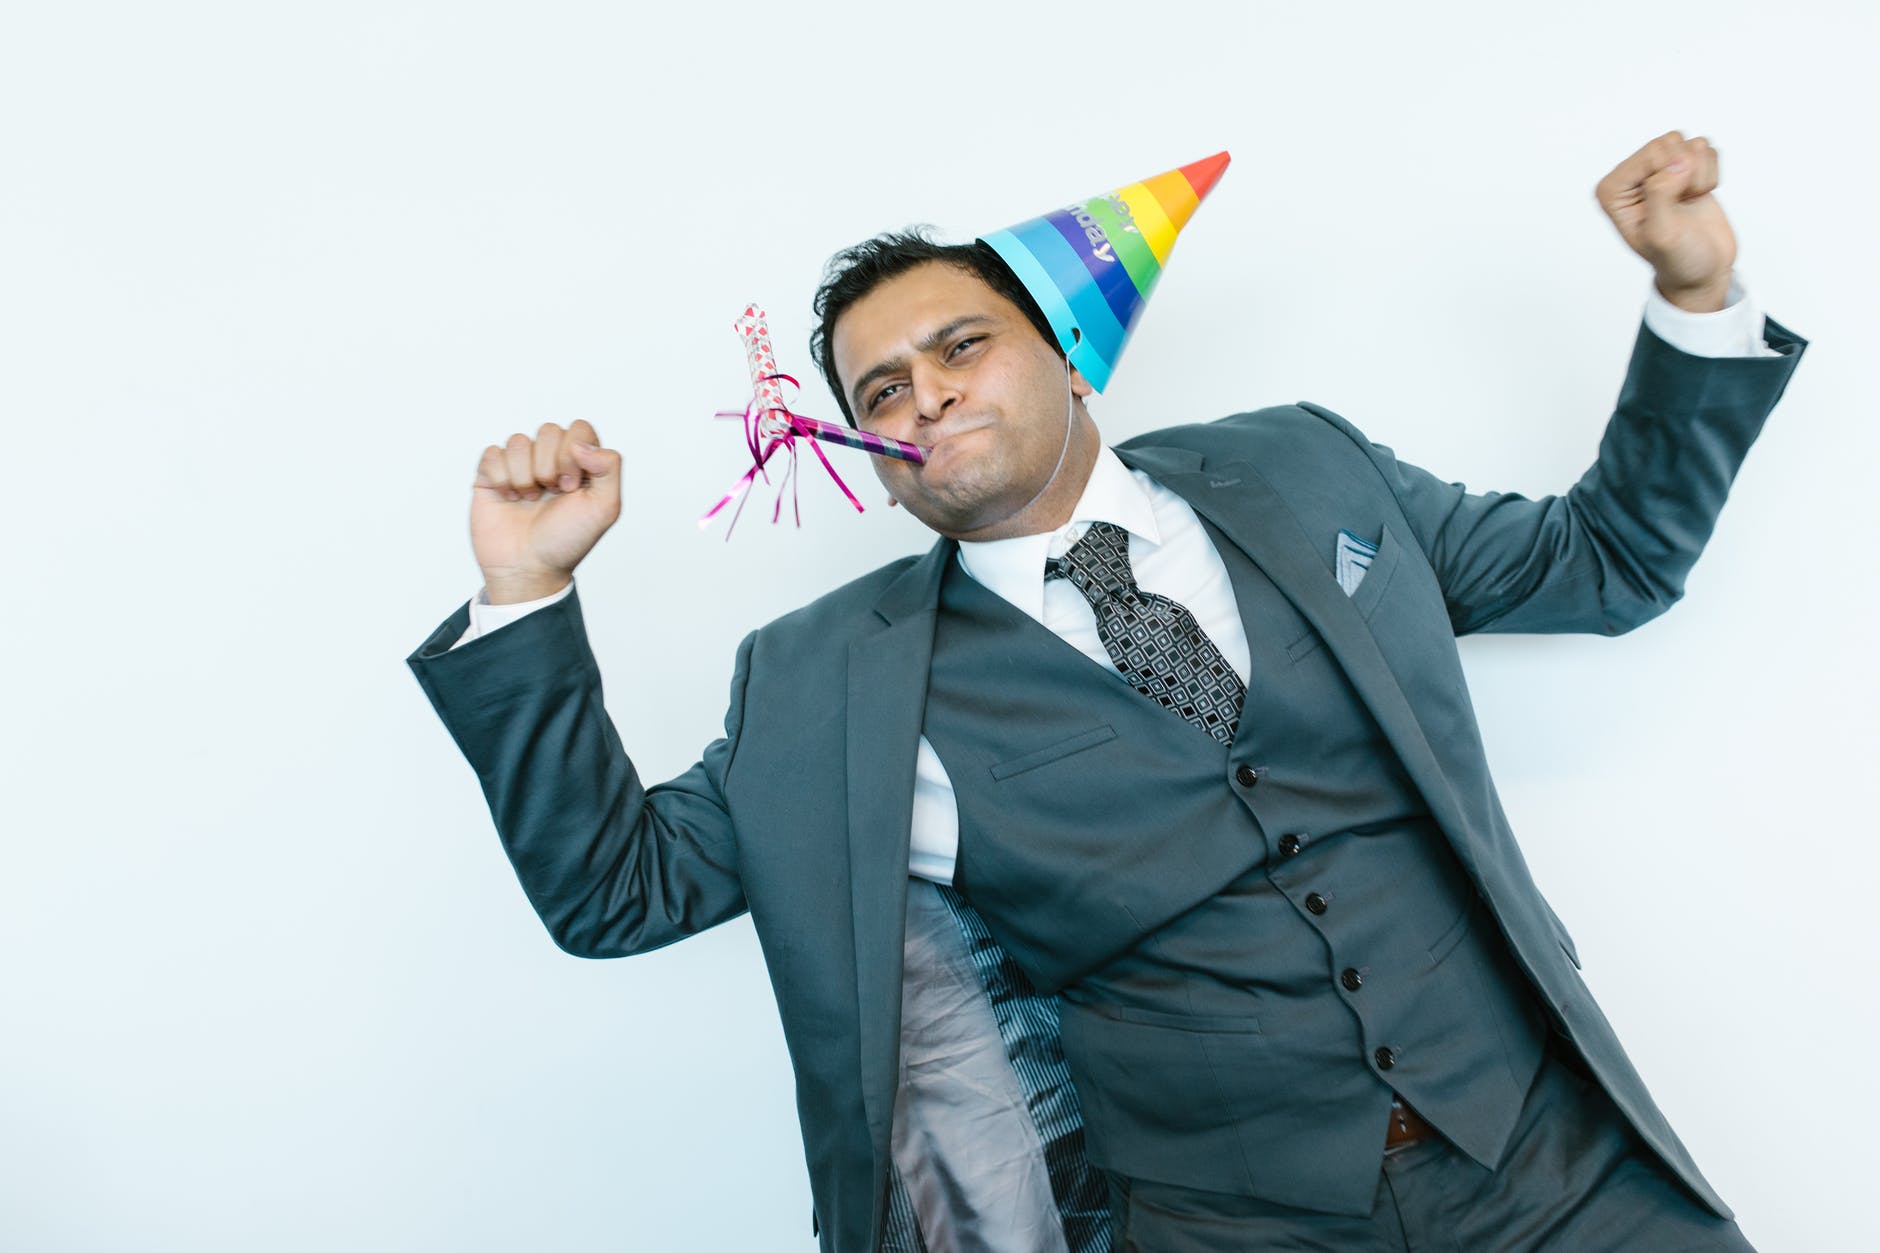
[1014, 568]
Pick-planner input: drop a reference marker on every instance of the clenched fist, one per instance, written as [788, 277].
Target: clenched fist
[538, 506]
[1660, 199]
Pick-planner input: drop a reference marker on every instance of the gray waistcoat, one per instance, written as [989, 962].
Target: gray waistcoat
[1247, 970]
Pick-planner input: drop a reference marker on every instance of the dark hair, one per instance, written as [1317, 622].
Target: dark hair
[854, 272]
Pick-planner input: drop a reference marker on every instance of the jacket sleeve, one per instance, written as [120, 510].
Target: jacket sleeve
[1614, 551]
[613, 867]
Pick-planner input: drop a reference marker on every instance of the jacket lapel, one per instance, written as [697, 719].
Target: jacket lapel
[887, 693]
[1239, 501]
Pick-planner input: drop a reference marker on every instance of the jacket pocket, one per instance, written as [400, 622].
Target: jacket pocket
[1369, 595]
[1163, 1102]
[1452, 937]
[1176, 1022]
[1052, 752]
[1377, 579]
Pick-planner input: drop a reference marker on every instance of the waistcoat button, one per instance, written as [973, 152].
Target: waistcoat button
[1288, 845]
[1351, 979]
[1315, 903]
[1246, 776]
[1385, 1058]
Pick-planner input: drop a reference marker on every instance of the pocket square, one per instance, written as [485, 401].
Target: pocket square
[1354, 558]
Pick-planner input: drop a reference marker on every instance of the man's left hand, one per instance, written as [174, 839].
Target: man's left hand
[1660, 199]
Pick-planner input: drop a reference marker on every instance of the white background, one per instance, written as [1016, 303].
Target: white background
[271, 276]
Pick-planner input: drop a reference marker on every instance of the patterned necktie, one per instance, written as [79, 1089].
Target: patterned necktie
[1154, 641]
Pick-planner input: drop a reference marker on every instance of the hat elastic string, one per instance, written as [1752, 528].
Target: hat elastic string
[1070, 416]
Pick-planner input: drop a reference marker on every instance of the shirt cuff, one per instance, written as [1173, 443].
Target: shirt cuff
[485, 617]
[1732, 331]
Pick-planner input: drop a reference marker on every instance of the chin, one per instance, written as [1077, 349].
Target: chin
[982, 511]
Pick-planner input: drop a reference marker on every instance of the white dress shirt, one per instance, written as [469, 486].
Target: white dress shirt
[1171, 555]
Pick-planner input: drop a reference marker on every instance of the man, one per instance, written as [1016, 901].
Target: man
[1310, 996]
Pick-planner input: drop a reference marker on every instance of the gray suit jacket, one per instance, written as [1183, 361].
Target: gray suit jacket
[800, 813]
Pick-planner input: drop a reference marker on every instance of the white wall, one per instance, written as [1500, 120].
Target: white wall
[272, 276]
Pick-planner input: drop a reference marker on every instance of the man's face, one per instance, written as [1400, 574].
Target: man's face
[935, 357]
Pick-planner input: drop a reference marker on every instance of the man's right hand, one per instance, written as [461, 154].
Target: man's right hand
[538, 506]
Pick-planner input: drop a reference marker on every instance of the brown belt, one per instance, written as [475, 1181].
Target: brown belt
[1406, 1127]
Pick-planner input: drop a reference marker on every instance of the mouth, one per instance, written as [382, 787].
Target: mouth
[931, 448]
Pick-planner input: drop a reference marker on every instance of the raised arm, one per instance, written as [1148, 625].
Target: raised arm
[611, 866]
[1614, 551]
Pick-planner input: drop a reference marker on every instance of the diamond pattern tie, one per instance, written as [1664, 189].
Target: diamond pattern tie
[1154, 641]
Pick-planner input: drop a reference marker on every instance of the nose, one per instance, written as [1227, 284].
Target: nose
[935, 391]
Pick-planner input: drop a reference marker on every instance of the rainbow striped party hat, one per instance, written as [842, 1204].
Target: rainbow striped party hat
[1092, 266]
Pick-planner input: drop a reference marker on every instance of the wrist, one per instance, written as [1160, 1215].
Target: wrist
[511, 587]
[1706, 297]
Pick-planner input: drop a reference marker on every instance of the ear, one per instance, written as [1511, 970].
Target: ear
[1080, 385]
[892, 502]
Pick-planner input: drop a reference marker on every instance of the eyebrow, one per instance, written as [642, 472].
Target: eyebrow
[931, 341]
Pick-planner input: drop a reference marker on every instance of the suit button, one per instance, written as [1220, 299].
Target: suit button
[1315, 903]
[1351, 979]
[1246, 776]
[1288, 845]
[1385, 1058]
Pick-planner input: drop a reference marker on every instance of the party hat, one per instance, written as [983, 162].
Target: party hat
[1092, 266]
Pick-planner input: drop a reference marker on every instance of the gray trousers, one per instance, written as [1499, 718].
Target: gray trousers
[1575, 1179]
